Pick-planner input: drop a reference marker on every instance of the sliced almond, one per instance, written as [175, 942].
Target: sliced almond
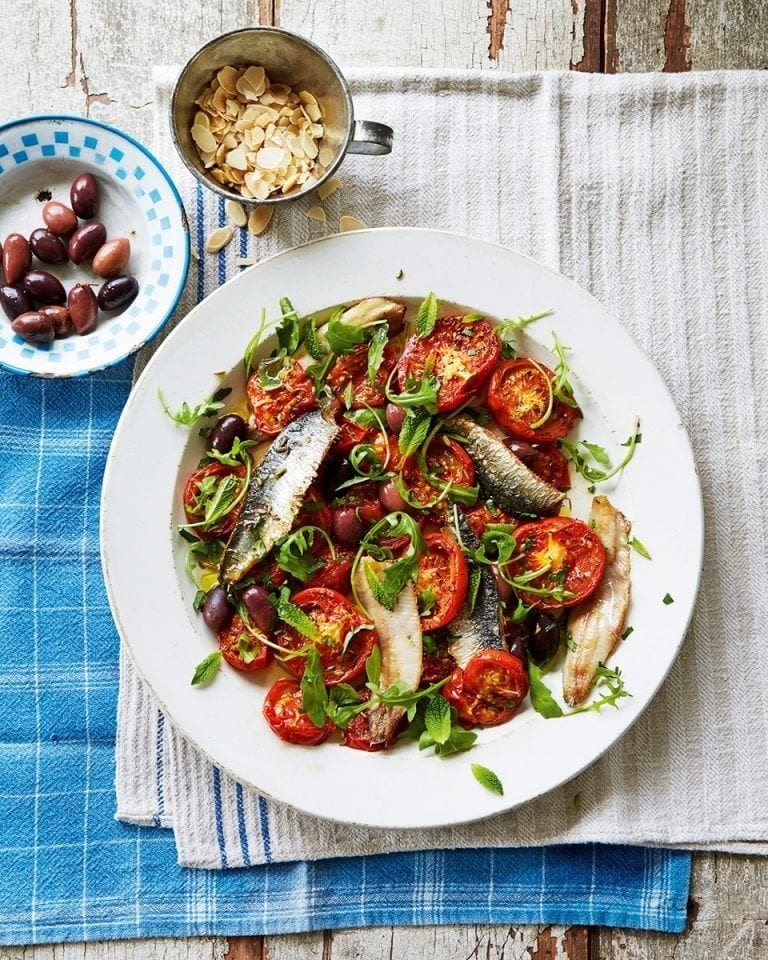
[270, 158]
[313, 112]
[259, 219]
[306, 97]
[203, 138]
[227, 78]
[219, 239]
[236, 213]
[347, 223]
[236, 159]
[329, 187]
[326, 155]
[317, 213]
[245, 261]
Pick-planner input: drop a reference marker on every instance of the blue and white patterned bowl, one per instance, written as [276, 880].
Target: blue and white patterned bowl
[39, 158]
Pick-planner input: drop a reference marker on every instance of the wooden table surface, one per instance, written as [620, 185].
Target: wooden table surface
[96, 57]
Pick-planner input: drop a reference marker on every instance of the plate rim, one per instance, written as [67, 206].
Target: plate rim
[187, 245]
[697, 507]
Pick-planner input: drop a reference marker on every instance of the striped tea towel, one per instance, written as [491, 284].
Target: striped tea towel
[650, 191]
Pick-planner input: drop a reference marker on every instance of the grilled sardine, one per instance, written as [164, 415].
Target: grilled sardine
[276, 492]
[504, 477]
[595, 625]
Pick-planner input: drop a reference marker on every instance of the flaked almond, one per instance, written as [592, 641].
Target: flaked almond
[203, 138]
[347, 223]
[270, 158]
[259, 219]
[236, 213]
[325, 156]
[329, 187]
[227, 78]
[219, 239]
[236, 158]
[317, 213]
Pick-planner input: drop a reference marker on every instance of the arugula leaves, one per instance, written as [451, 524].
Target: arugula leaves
[207, 669]
[313, 693]
[544, 703]
[312, 341]
[387, 587]
[253, 344]
[269, 372]
[596, 474]
[426, 316]
[187, 416]
[416, 393]
[293, 552]
[289, 328]
[487, 778]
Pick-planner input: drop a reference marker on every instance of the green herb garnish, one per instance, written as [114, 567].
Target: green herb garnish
[426, 316]
[207, 669]
[640, 547]
[487, 778]
[188, 416]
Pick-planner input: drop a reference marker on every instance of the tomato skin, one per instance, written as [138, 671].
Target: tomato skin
[479, 516]
[335, 574]
[549, 463]
[353, 368]
[446, 459]
[229, 640]
[473, 347]
[435, 667]
[284, 712]
[273, 410]
[316, 515]
[358, 735]
[568, 544]
[349, 435]
[333, 613]
[518, 395]
[225, 526]
[489, 690]
[443, 570]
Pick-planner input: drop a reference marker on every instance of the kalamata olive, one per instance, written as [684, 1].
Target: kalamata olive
[14, 300]
[516, 646]
[390, 497]
[395, 417]
[86, 240]
[47, 247]
[348, 529]
[110, 260]
[336, 473]
[33, 327]
[44, 287]
[224, 432]
[59, 317]
[543, 637]
[84, 196]
[217, 610]
[524, 451]
[260, 610]
[17, 257]
[506, 593]
[118, 292]
[83, 308]
[59, 218]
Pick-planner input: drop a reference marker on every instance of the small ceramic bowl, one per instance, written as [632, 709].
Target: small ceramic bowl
[40, 156]
[289, 59]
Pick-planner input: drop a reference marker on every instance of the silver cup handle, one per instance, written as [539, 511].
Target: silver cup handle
[373, 139]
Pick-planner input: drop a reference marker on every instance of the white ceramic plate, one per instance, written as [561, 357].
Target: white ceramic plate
[144, 558]
[39, 159]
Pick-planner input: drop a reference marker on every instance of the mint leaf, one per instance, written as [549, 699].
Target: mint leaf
[640, 547]
[437, 719]
[294, 616]
[599, 453]
[414, 431]
[207, 669]
[376, 347]
[487, 778]
[313, 693]
[426, 316]
[187, 416]
[667, 599]
[288, 329]
[541, 696]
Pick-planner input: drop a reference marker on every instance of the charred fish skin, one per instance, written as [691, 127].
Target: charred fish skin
[479, 629]
[595, 626]
[400, 644]
[276, 492]
[503, 477]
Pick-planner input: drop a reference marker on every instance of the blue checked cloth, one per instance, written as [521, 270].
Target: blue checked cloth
[71, 872]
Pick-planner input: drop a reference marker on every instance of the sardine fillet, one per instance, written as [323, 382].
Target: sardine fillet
[276, 492]
[596, 625]
[479, 629]
[399, 633]
[503, 476]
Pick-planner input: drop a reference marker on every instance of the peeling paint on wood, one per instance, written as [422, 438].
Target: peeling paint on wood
[592, 57]
[677, 39]
[497, 24]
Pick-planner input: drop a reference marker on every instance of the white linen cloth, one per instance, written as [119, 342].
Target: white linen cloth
[650, 191]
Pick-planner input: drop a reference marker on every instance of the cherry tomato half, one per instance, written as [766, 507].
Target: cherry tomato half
[446, 460]
[241, 649]
[574, 554]
[479, 516]
[284, 711]
[349, 435]
[518, 396]
[334, 574]
[460, 354]
[274, 409]
[489, 689]
[314, 512]
[442, 579]
[211, 475]
[353, 368]
[549, 463]
[334, 617]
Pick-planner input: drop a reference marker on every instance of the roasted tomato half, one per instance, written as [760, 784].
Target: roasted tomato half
[571, 554]
[273, 409]
[284, 711]
[338, 622]
[441, 581]
[489, 689]
[335, 573]
[479, 516]
[518, 398]
[352, 368]
[241, 649]
[459, 353]
[314, 512]
[200, 490]
[446, 461]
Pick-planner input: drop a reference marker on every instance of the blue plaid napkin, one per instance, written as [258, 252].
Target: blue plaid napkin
[71, 872]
